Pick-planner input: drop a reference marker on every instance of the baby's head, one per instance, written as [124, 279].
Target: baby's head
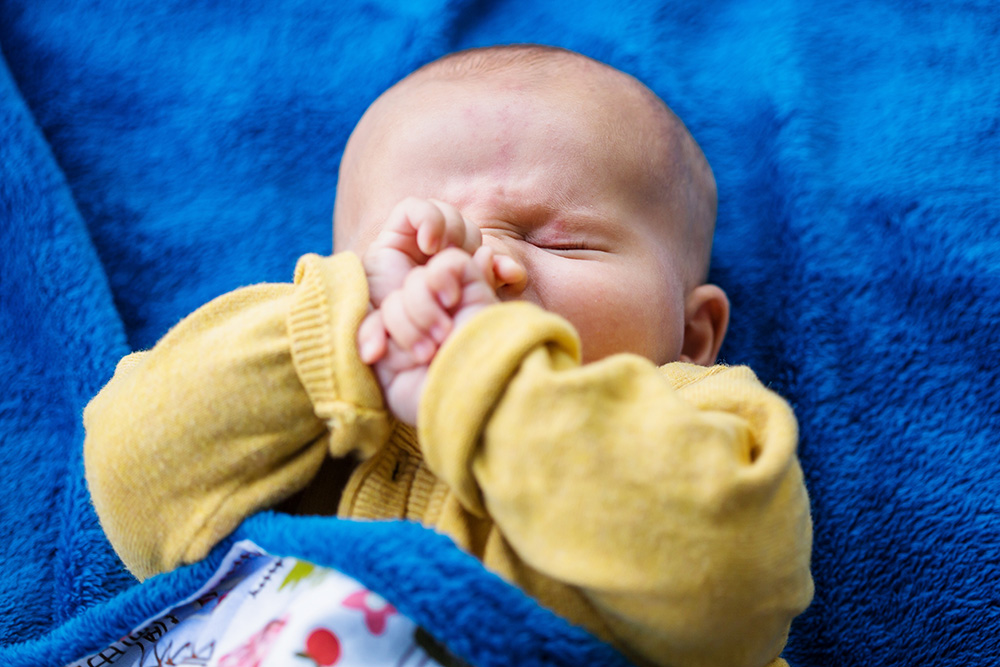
[571, 167]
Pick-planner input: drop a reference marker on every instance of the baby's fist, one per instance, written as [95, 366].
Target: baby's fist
[416, 230]
[402, 337]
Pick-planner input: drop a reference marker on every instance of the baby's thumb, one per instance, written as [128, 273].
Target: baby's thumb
[508, 272]
[498, 270]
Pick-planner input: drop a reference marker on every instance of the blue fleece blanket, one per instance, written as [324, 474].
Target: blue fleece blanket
[156, 154]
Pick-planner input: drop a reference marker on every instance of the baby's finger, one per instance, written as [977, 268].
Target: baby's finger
[459, 232]
[507, 271]
[372, 341]
[414, 226]
[403, 330]
[478, 278]
[422, 306]
[482, 260]
[430, 223]
[444, 276]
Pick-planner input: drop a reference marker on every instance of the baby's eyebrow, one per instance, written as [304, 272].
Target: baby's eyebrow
[561, 212]
[555, 214]
[528, 204]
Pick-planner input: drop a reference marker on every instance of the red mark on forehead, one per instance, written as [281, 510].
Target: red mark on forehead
[494, 132]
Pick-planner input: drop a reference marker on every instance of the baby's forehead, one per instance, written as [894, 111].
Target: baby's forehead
[617, 108]
[587, 121]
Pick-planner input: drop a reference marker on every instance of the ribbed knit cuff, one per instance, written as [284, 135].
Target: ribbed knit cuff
[330, 301]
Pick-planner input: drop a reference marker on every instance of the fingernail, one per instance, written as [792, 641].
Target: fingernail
[446, 299]
[438, 333]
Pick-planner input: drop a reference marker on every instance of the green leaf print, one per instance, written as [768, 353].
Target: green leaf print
[301, 571]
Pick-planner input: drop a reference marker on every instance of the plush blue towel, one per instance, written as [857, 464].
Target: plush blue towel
[156, 154]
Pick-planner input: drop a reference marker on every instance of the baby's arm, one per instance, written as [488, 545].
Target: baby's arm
[671, 498]
[236, 408]
[232, 411]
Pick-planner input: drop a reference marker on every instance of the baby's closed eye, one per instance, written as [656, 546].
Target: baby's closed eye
[568, 245]
[580, 246]
[557, 237]
[571, 236]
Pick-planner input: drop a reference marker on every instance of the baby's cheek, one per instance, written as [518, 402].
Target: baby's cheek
[606, 321]
[615, 306]
[636, 314]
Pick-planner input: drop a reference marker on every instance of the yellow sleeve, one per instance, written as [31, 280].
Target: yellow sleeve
[672, 498]
[232, 411]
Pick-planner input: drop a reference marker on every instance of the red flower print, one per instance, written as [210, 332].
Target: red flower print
[375, 608]
[322, 647]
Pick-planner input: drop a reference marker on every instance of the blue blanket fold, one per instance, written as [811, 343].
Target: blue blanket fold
[154, 155]
[442, 589]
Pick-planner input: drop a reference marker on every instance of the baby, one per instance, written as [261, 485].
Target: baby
[522, 239]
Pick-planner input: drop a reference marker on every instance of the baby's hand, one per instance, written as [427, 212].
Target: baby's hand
[415, 231]
[402, 336]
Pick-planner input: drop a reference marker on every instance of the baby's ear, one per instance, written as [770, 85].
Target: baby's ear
[706, 317]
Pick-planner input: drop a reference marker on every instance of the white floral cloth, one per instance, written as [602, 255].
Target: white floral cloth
[260, 610]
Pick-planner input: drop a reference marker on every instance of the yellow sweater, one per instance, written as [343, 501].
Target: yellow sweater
[662, 508]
